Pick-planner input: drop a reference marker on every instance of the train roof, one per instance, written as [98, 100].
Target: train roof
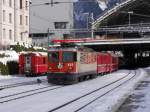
[63, 48]
[75, 48]
[35, 53]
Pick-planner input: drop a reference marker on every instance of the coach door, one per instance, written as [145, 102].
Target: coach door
[27, 63]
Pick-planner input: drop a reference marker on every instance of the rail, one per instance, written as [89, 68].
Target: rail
[92, 92]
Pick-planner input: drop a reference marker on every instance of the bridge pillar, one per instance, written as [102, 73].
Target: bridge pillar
[130, 59]
[143, 59]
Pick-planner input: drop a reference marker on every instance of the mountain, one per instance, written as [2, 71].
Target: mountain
[83, 11]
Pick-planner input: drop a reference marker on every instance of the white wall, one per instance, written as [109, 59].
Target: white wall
[15, 26]
[43, 17]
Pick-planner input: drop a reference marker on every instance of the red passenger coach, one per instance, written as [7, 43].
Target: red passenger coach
[33, 63]
[102, 63]
[106, 62]
[114, 62]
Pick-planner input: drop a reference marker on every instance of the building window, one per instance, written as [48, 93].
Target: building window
[4, 1]
[10, 34]
[41, 44]
[60, 25]
[26, 20]
[10, 18]
[21, 20]
[27, 5]
[10, 3]
[4, 15]
[4, 33]
[21, 5]
[40, 35]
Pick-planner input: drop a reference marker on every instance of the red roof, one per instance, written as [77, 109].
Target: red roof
[71, 40]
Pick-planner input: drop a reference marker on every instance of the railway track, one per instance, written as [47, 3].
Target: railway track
[12, 97]
[21, 84]
[73, 102]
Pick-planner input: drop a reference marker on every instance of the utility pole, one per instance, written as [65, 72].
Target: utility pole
[48, 34]
[92, 26]
[130, 12]
[52, 2]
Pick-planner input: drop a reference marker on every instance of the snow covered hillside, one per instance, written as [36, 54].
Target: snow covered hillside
[9, 56]
[83, 10]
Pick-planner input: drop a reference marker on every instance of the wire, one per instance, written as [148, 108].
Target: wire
[36, 29]
[39, 17]
[136, 14]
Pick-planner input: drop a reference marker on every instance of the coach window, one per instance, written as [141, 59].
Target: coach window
[69, 56]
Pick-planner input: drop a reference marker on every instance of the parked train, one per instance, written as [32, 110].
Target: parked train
[32, 64]
[71, 65]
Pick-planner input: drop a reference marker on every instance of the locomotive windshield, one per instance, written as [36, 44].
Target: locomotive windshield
[69, 56]
[53, 56]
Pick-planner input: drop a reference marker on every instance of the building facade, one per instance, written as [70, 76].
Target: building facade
[57, 18]
[14, 22]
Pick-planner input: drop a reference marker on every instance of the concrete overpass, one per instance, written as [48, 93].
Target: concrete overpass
[118, 44]
[130, 19]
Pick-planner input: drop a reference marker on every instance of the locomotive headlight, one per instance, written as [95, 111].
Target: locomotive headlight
[70, 66]
[49, 68]
[59, 66]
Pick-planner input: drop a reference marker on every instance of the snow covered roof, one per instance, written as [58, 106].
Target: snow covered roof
[11, 56]
[36, 53]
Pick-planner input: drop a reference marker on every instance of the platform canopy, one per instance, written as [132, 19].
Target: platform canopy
[127, 12]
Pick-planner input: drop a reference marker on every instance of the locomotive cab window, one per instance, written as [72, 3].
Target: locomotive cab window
[69, 56]
[53, 56]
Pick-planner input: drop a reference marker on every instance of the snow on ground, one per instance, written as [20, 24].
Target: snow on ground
[139, 100]
[13, 80]
[19, 89]
[113, 100]
[5, 77]
[45, 101]
[51, 99]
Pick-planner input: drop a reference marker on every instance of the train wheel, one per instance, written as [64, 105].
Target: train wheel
[90, 76]
[93, 76]
[80, 79]
[27, 75]
[84, 78]
[102, 74]
[76, 80]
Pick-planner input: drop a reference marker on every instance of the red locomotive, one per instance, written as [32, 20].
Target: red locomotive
[70, 65]
[32, 64]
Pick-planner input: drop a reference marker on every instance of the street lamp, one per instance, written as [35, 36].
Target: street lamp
[91, 17]
[130, 12]
[87, 19]
[92, 26]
